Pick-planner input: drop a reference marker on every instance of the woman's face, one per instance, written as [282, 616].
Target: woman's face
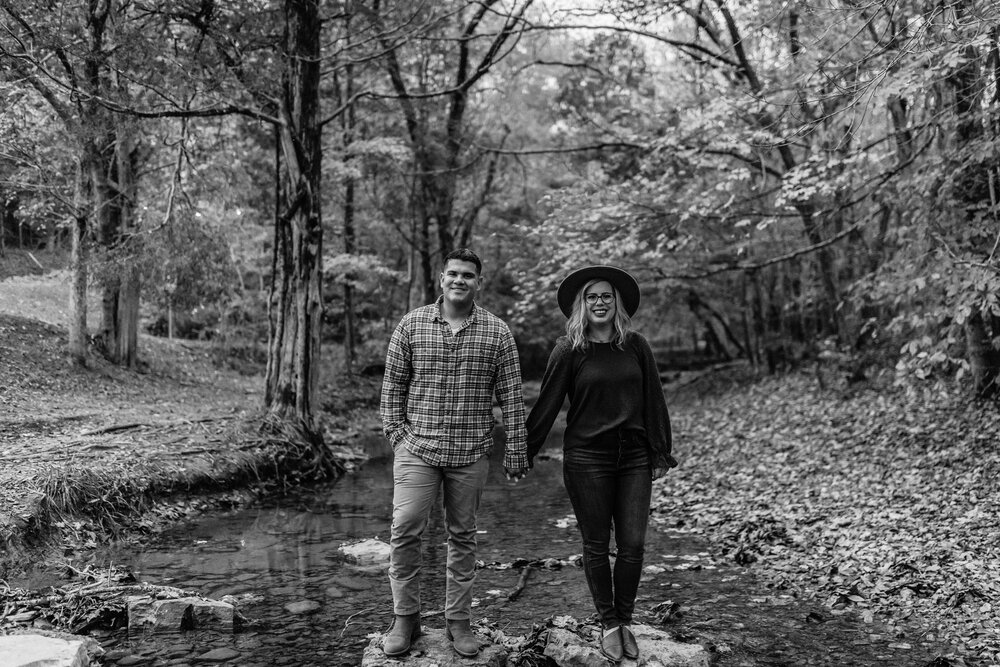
[599, 304]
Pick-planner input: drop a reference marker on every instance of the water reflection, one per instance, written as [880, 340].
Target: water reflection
[287, 552]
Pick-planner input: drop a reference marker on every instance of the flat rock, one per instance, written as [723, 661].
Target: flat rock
[656, 649]
[175, 614]
[367, 553]
[433, 649]
[42, 651]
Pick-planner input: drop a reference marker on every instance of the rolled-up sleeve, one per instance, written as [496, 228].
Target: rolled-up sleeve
[395, 386]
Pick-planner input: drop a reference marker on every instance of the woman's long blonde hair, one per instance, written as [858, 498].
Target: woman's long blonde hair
[576, 325]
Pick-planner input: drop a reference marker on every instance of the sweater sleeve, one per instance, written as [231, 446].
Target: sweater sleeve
[657, 418]
[555, 385]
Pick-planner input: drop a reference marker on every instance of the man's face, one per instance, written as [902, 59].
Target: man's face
[460, 282]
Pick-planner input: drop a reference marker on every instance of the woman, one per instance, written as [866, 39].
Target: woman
[617, 437]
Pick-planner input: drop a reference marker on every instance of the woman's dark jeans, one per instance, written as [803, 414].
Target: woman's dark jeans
[610, 481]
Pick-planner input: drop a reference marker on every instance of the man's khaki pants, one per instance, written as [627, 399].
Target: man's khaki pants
[415, 489]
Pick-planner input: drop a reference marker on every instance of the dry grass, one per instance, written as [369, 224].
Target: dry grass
[84, 452]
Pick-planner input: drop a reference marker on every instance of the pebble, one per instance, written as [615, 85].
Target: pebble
[334, 592]
[302, 607]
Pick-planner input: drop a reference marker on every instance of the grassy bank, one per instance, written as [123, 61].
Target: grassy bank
[87, 452]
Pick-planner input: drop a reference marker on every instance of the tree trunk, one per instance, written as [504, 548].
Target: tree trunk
[78, 293]
[717, 329]
[984, 359]
[349, 124]
[3, 224]
[426, 261]
[79, 263]
[296, 306]
[127, 318]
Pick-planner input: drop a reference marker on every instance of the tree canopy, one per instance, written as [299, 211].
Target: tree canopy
[790, 181]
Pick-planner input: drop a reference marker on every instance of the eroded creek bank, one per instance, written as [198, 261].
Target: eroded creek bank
[309, 606]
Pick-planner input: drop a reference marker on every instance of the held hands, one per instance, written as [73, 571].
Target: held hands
[515, 474]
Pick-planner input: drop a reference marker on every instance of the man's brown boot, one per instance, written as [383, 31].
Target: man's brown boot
[402, 632]
[462, 638]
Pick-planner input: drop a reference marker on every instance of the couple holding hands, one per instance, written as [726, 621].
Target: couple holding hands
[445, 363]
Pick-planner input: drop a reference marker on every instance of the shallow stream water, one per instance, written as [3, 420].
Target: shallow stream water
[286, 550]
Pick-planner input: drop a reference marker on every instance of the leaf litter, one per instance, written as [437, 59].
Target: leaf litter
[882, 501]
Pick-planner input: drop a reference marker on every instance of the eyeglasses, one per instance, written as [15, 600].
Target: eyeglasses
[606, 298]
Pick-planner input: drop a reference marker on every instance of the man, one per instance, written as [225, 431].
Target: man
[445, 363]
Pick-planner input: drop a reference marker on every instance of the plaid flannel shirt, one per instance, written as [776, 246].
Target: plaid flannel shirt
[437, 394]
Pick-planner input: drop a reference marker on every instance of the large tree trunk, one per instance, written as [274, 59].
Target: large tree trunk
[110, 173]
[109, 158]
[296, 305]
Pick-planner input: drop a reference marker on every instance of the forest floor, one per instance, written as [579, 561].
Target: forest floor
[90, 451]
[871, 499]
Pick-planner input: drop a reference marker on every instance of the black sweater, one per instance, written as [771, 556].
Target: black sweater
[608, 389]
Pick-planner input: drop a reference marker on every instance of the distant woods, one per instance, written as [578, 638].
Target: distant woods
[791, 181]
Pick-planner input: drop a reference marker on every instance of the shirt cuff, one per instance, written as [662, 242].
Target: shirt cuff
[515, 460]
[395, 435]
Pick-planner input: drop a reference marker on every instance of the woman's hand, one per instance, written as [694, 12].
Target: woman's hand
[659, 472]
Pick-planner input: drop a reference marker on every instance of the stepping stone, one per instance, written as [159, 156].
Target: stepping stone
[42, 651]
[433, 649]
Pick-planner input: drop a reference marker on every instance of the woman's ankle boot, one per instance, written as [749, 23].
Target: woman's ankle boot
[402, 632]
[630, 647]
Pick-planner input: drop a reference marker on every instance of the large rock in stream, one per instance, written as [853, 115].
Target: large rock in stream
[370, 554]
[36, 650]
[146, 613]
[433, 649]
[656, 649]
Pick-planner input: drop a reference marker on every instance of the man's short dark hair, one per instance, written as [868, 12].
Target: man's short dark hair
[465, 255]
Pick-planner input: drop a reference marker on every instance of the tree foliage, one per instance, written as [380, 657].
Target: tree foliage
[788, 180]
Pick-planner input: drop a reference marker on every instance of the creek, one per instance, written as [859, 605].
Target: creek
[285, 550]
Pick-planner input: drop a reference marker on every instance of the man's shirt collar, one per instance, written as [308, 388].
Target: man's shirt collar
[439, 316]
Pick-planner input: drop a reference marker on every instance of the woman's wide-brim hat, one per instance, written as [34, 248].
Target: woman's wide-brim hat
[628, 288]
